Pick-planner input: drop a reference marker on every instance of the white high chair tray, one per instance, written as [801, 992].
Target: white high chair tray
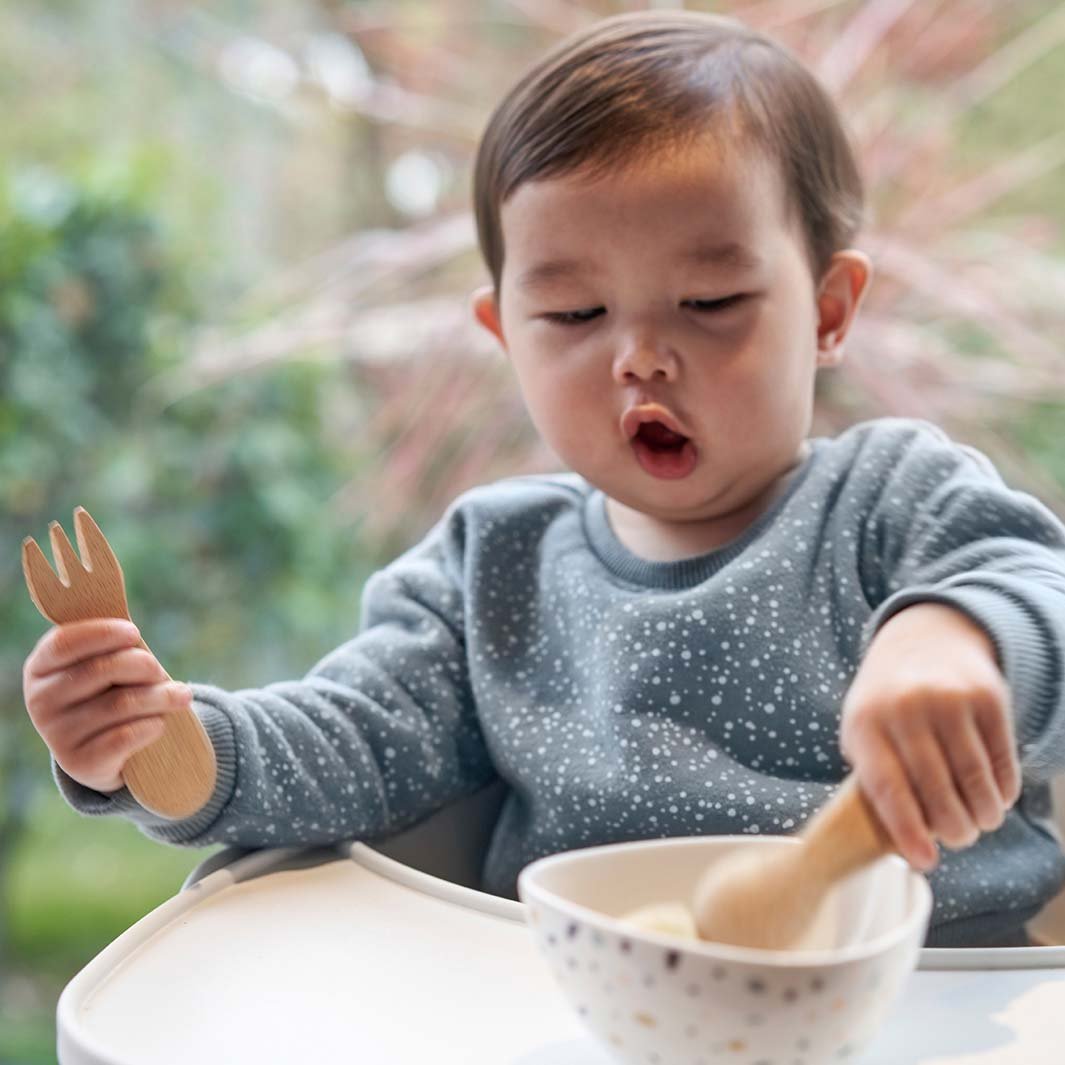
[362, 958]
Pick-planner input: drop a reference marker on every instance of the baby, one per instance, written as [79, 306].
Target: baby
[712, 618]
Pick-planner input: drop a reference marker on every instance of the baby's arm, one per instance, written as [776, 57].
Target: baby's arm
[965, 654]
[376, 736]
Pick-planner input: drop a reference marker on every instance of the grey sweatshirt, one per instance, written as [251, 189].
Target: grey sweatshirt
[622, 699]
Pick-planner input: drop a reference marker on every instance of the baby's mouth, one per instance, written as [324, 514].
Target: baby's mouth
[663, 453]
[658, 437]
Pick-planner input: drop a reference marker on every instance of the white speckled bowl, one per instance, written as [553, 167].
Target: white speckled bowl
[653, 998]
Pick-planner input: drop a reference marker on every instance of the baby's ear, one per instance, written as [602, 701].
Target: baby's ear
[485, 309]
[840, 294]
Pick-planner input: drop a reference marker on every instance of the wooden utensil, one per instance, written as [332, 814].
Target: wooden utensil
[174, 776]
[769, 900]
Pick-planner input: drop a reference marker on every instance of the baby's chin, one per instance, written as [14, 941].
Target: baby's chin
[685, 510]
[705, 517]
[687, 524]
[684, 500]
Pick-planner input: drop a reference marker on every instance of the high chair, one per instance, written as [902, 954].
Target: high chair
[389, 954]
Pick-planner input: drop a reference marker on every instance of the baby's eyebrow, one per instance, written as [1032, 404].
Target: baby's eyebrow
[730, 254]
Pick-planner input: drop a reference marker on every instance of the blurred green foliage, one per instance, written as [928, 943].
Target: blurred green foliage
[210, 504]
[89, 313]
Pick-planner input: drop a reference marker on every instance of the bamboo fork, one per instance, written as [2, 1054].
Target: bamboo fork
[174, 776]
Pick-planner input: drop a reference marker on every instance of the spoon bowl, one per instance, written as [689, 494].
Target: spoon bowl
[768, 899]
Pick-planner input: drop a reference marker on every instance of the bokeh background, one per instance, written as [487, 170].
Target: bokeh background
[235, 254]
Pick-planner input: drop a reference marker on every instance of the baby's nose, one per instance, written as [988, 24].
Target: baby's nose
[645, 360]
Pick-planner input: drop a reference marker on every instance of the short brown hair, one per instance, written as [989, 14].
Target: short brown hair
[650, 80]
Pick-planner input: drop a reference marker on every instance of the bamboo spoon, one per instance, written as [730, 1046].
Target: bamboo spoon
[174, 776]
[768, 901]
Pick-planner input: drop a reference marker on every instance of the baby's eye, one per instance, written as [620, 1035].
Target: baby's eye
[573, 317]
[716, 305]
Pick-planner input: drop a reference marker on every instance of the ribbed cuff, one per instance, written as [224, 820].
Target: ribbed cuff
[89, 802]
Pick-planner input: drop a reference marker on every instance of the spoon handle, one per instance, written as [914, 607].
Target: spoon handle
[845, 834]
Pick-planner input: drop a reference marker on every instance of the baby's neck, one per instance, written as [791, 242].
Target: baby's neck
[655, 540]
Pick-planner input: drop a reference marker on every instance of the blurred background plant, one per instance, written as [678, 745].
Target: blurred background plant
[235, 254]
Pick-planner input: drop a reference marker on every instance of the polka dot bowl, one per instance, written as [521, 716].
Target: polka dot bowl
[656, 999]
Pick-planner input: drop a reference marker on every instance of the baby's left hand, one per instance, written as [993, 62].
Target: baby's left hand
[928, 730]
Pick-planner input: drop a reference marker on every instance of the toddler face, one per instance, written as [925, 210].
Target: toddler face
[665, 329]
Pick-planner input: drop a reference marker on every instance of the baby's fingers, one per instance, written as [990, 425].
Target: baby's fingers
[81, 725]
[930, 774]
[972, 771]
[63, 646]
[884, 781]
[98, 763]
[57, 693]
[996, 729]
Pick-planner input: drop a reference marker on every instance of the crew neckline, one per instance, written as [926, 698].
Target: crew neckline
[684, 572]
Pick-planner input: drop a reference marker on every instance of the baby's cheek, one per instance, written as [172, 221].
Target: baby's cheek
[575, 428]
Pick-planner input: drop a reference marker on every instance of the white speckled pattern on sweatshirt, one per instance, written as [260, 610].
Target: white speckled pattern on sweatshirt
[623, 699]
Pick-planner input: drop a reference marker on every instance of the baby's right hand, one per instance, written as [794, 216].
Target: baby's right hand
[97, 696]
